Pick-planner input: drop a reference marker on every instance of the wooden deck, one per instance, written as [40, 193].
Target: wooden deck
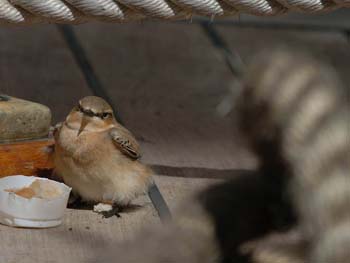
[165, 80]
[84, 233]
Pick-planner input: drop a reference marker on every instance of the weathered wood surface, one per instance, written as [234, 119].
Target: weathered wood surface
[177, 190]
[26, 158]
[79, 239]
[84, 234]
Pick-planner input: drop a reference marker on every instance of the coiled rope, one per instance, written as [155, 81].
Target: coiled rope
[79, 11]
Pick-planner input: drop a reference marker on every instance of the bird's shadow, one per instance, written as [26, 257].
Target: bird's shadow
[80, 204]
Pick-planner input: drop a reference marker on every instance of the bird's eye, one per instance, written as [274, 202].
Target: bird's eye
[105, 115]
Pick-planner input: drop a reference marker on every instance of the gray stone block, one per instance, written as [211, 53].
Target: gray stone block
[22, 120]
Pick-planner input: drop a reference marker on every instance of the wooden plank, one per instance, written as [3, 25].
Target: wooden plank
[177, 190]
[83, 233]
[166, 81]
[79, 239]
[36, 65]
[27, 158]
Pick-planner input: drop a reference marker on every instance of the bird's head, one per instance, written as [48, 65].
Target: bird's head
[92, 114]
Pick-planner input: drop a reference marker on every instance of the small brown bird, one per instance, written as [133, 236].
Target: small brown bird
[98, 157]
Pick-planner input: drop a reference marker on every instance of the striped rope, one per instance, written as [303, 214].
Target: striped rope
[80, 11]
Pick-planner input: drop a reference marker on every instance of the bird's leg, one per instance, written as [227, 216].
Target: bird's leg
[113, 212]
[74, 201]
[108, 209]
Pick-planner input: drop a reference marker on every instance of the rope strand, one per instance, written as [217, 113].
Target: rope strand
[80, 11]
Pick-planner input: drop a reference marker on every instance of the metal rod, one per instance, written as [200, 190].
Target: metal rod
[232, 59]
[85, 66]
[4, 97]
[159, 203]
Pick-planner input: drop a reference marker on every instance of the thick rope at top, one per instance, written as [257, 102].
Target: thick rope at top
[79, 11]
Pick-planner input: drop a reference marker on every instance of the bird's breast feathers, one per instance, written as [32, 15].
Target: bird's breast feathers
[87, 147]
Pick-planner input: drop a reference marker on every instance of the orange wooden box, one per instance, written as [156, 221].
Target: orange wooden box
[32, 157]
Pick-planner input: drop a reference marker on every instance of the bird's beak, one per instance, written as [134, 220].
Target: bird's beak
[84, 121]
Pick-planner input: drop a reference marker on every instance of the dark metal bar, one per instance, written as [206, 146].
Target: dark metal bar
[4, 97]
[234, 63]
[85, 66]
[232, 58]
[275, 25]
[159, 203]
[347, 35]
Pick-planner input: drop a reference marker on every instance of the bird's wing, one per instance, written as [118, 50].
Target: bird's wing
[56, 129]
[125, 142]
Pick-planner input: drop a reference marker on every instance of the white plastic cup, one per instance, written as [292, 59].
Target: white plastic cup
[18, 211]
